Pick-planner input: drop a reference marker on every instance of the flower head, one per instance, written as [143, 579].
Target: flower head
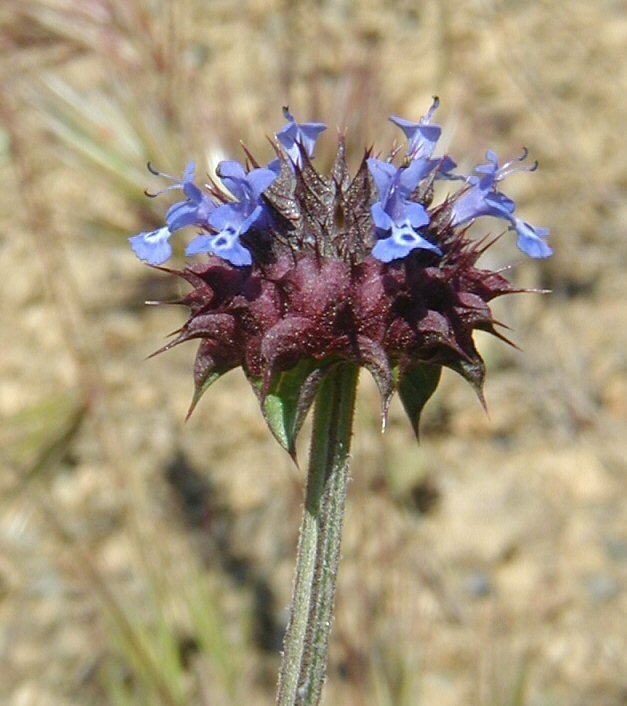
[305, 270]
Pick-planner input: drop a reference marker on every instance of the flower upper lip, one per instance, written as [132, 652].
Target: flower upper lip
[422, 136]
[295, 137]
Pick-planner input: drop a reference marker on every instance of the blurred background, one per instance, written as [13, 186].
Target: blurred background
[148, 561]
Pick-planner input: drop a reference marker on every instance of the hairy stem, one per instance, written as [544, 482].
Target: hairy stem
[305, 649]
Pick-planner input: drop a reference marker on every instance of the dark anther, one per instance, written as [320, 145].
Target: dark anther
[152, 170]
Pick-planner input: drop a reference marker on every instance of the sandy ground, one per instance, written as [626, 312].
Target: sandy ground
[487, 566]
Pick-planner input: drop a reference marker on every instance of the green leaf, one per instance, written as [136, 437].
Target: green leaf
[416, 383]
[286, 403]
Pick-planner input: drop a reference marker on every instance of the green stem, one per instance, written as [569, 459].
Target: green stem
[305, 649]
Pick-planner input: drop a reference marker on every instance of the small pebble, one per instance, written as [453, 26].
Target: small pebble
[602, 588]
[478, 585]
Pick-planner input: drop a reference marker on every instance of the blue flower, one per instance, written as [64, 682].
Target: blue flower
[482, 199]
[153, 247]
[296, 136]
[397, 219]
[232, 220]
[423, 137]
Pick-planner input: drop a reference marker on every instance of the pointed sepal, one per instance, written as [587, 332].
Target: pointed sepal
[473, 371]
[374, 358]
[207, 369]
[200, 391]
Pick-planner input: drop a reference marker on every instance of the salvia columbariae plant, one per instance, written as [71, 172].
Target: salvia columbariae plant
[306, 278]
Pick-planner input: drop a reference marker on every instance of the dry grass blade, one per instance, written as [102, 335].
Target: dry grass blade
[97, 133]
[61, 21]
[37, 439]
